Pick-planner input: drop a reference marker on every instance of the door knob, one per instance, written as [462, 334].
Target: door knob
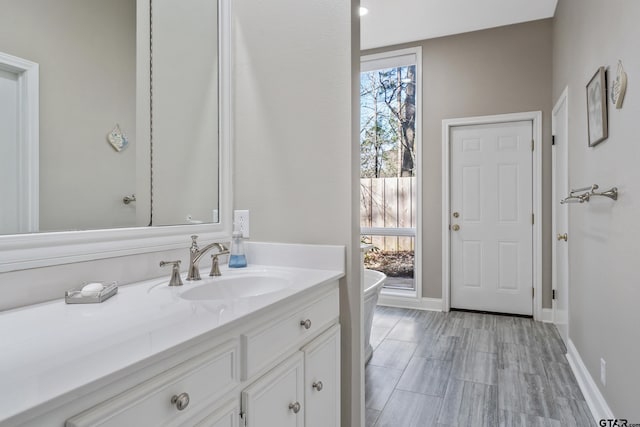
[455, 227]
[456, 214]
[562, 237]
[318, 385]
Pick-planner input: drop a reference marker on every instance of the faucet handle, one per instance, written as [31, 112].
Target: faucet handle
[175, 272]
[215, 266]
[194, 244]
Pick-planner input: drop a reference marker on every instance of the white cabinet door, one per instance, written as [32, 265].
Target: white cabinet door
[322, 380]
[277, 399]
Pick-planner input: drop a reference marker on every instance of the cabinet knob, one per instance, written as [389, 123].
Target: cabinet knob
[306, 323]
[181, 401]
[294, 407]
[318, 385]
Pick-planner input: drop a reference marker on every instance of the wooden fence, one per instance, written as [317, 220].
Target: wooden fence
[389, 203]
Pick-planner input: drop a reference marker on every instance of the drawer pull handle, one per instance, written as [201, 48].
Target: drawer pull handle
[294, 407]
[318, 385]
[181, 401]
[306, 323]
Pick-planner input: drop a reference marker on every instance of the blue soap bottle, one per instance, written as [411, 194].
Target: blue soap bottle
[237, 257]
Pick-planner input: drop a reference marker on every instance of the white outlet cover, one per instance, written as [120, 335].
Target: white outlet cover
[241, 222]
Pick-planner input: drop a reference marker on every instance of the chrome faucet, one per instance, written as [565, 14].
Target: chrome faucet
[196, 253]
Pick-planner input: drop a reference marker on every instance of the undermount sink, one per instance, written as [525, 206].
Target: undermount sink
[236, 287]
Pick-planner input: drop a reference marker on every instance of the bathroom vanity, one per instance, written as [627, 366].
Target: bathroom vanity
[220, 352]
[255, 347]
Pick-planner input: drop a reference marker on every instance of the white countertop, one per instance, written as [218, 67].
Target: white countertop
[50, 349]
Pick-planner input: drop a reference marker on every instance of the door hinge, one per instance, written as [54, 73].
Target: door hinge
[243, 417]
[553, 140]
[533, 292]
[533, 218]
[553, 294]
[532, 145]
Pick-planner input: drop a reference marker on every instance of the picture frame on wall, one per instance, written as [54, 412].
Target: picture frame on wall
[597, 108]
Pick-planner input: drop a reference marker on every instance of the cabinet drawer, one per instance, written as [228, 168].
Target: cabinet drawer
[263, 346]
[227, 416]
[204, 378]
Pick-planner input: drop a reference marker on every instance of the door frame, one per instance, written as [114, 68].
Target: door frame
[536, 118]
[28, 138]
[563, 99]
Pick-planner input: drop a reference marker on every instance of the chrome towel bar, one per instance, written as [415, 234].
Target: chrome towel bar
[581, 195]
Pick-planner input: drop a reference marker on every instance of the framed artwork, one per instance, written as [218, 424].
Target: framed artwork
[597, 108]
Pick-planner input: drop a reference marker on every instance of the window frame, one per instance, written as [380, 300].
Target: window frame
[397, 297]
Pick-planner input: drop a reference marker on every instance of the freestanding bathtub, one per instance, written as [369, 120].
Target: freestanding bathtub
[372, 283]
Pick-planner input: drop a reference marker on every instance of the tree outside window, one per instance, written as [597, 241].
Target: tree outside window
[387, 156]
[388, 122]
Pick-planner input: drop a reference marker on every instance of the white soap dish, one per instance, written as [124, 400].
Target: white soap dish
[90, 293]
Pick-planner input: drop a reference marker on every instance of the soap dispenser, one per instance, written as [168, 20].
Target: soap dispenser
[237, 257]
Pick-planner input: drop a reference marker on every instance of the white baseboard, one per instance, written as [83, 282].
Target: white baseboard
[547, 315]
[597, 404]
[430, 304]
[434, 304]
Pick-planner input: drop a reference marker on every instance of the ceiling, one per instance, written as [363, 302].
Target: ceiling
[391, 22]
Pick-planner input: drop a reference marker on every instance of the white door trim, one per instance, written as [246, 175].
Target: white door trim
[536, 118]
[563, 99]
[28, 138]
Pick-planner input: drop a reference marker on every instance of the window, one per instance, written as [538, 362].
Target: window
[389, 164]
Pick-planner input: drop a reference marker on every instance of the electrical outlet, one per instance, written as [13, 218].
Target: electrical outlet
[603, 372]
[241, 222]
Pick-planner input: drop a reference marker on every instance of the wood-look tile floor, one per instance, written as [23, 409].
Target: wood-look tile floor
[469, 369]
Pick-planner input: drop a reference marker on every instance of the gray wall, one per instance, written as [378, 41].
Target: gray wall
[603, 243]
[87, 56]
[495, 71]
[295, 163]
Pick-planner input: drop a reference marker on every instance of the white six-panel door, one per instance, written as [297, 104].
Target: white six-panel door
[491, 237]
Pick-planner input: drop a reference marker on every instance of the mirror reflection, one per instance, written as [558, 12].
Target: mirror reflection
[105, 112]
[184, 93]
